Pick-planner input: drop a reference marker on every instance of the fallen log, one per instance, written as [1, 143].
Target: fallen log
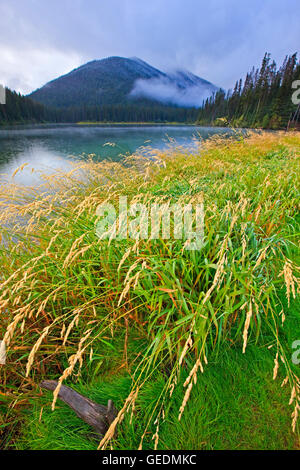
[99, 417]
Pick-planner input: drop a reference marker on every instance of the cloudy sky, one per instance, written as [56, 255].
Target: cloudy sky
[218, 40]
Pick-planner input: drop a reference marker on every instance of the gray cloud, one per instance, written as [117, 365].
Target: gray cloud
[166, 91]
[218, 40]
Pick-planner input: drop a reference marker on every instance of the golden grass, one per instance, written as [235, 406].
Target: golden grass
[62, 286]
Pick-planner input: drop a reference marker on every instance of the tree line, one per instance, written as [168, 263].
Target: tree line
[262, 100]
[20, 109]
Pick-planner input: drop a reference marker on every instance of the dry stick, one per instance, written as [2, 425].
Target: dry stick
[97, 416]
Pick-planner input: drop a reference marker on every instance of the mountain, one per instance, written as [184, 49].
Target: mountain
[119, 80]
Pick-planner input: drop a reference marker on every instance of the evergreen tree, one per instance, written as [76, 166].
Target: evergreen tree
[264, 100]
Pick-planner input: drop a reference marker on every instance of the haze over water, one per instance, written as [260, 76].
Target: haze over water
[48, 148]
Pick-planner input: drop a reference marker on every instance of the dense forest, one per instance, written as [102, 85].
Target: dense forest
[129, 113]
[264, 99]
[122, 81]
[20, 109]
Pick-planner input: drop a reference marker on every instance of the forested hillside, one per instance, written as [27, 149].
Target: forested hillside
[20, 109]
[128, 113]
[264, 99]
[121, 80]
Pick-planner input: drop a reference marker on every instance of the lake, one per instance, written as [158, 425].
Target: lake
[47, 148]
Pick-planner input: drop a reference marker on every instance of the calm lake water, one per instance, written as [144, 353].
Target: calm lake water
[50, 147]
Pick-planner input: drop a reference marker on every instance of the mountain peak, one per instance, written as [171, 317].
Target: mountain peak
[121, 80]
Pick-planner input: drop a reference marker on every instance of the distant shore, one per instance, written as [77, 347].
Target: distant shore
[100, 123]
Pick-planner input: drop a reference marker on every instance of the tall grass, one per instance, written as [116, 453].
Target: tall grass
[67, 294]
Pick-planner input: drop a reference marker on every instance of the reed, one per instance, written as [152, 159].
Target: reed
[64, 292]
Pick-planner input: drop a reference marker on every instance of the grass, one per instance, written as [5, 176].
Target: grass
[238, 406]
[187, 343]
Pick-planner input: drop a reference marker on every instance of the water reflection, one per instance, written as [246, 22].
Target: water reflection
[48, 148]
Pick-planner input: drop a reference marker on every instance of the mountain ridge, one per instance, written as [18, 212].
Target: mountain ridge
[119, 80]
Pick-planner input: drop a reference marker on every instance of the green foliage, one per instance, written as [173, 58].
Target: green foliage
[20, 109]
[112, 82]
[264, 100]
[235, 405]
[95, 92]
[68, 295]
[265, 121]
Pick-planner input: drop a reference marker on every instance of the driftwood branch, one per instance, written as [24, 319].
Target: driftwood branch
[97, 416]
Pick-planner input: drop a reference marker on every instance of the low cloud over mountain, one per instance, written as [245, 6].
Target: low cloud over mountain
[118, 80]
[181, 88]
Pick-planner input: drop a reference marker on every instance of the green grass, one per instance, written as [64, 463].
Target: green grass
[235, 405]
[139, 320]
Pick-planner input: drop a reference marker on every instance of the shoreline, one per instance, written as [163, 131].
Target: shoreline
[8, 126]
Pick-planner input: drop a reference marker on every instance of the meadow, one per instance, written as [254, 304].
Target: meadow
[193, 347]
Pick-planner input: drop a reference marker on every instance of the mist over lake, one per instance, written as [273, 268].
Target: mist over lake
[51, 147]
